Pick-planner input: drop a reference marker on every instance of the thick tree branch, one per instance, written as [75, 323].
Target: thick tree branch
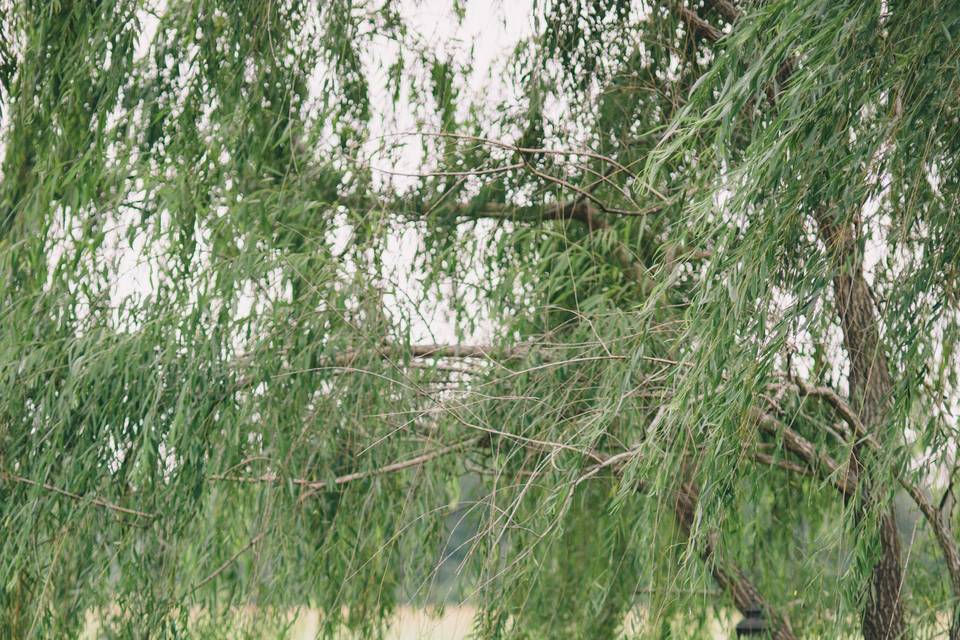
[582, 211]
[578, 210]
[727, 575]
[843, 409]
[725, 8]
[698, 26]
[837, 474]
[939, 526]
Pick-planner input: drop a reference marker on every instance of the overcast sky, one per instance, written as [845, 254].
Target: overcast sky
[484, 37]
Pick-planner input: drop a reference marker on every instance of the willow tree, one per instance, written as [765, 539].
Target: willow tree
[712, 248]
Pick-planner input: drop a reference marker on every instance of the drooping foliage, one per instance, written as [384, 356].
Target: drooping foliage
[663, 329]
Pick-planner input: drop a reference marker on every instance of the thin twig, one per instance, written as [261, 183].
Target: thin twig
[318, 485]
[618, 459]
[100, 502]
[223, 567]
[451, 174]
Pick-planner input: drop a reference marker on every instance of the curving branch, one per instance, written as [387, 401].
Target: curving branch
[940, 527]
[840, 476]
[841, 406]
[726, 574]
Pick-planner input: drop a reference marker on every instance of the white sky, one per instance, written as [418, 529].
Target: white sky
[488, 32]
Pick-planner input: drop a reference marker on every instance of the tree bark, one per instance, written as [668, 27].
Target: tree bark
[870, 391]
[870, 385]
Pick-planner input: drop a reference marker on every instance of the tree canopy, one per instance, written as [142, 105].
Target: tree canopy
[666, 323]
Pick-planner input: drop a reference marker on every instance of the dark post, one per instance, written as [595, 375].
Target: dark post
[753, 624]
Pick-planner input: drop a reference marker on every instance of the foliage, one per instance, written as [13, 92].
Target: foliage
[713, 248]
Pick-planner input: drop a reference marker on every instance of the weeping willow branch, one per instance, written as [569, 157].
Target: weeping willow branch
[226, 565]
[100, 502]
[938, 524]
[727, 575]
[315, 486]
[202, 151]
[730, 578]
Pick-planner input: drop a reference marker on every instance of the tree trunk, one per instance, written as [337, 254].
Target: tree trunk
[870, 390]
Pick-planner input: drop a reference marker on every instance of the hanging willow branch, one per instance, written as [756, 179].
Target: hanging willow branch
[682, 273]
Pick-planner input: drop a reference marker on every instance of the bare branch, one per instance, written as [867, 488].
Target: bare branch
[617, 461]
[839, 476]
[318, 485]
[698, 26]
[100, 502]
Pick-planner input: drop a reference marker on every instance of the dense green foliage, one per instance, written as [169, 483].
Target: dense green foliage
[698, 265]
